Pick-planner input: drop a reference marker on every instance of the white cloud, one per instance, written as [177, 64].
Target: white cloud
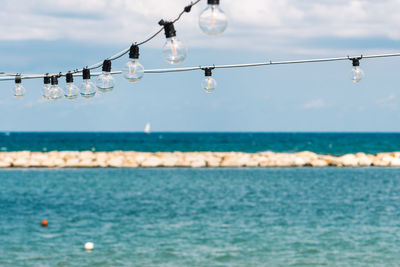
[389, 102]
[261, 24]
[314, 104]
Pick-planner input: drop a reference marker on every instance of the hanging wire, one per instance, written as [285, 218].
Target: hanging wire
[187, 9]
[247, 65]
[78, 72]
[97, 65]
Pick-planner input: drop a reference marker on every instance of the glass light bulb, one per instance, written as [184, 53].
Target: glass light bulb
[71, 91]
[213, 21]
[209, 84]
[133, 71]
[105, 82]
[55, 92]
[357, 74]
[174, 51]
[45, 90]
[88, 89]
[19, 90]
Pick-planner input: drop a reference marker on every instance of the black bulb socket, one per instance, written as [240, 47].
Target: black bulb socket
[169, 30]
[356, 62]
[46, 79]
[107, 65]
[86, 74]
[208, 72]
[213, 2]
[69, 78]
[54, 80]
[134, 51]
[18, 79]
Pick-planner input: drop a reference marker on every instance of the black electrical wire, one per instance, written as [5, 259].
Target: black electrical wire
[187, 9]
[123, 52]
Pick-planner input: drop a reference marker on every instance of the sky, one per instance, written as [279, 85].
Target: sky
[41, 36]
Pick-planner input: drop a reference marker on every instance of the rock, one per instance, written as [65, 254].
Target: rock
[100, 164]
[213, 162]
[21, 163]
[4, 164]
[253, 162]
[116, 162]
[34, 163]
[380, 163]
[170, 161]
[151, 162]
[84, 163]
[388, 159]
[130, 164]
[198, 163]
[235, 159]
[131, 159]
[364, 160]
[349, 160]
[307, 155]
[395, 162]
[299, 162]
[59, 163]
[319, 163]
[72, 162]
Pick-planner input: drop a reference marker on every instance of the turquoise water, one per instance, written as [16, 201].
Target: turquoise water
[322, 143]
[201, 217]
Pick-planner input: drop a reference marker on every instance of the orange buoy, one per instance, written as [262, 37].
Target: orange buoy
[45, 223]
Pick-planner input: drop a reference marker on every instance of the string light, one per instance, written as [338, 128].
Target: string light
[71, 90]
[55, 92]
[133, 71]
[105, 81]
[212, 20]
[209, 83]
[19, 89]
[174, 51]
[46, 87]
[357, 74]
[88, 89]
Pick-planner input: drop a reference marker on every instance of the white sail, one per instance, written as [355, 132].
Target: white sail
[147, 128]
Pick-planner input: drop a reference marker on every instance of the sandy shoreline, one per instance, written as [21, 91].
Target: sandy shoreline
[131, 159]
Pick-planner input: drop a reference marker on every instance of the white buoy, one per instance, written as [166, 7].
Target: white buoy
[89, 246]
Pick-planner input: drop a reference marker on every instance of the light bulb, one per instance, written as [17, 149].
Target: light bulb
[88, 89]
[212, 20]
[133, 71]
[174, 51]
[357, 74]
[105, 81]
[209, 83]
[55, 92]
[46, 86]
[71, 90]
[19, 89]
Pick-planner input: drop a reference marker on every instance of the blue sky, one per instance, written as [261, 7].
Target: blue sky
[308, 97]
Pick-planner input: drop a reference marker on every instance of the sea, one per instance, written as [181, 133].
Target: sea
[201, 217]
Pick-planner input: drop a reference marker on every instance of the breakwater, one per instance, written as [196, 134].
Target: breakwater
[131, 159]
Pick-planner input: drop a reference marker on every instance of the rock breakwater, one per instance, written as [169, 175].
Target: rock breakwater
[131, 159]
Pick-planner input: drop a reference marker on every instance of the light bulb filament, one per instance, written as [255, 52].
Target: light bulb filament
[212, 16]
[87, 88]
[173, 48]
[134, 69]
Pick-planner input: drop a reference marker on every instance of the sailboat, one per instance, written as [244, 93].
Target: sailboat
[147, 128]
